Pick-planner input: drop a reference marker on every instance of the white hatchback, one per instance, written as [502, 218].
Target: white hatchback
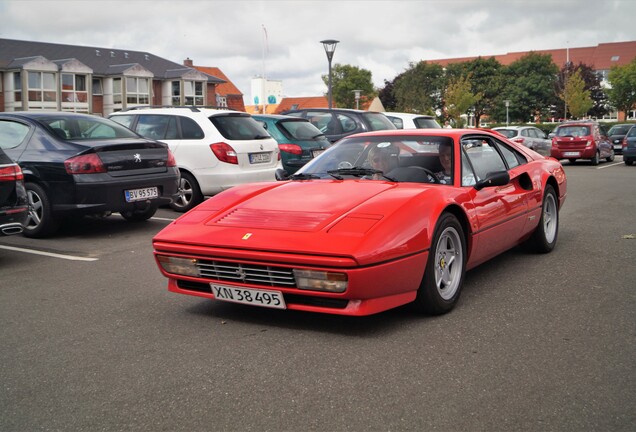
[214, 149]
[412, 121]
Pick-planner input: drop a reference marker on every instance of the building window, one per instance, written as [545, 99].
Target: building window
[97, 86]
[193, 92]
[17, 86]
[74, 88]
[42, 87]
[137, 91]
[176, 93]
[117, 90]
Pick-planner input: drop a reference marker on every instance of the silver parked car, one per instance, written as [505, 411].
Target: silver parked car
[530, 136]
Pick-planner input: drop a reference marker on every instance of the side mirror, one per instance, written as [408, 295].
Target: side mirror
[497, 178]
[281, 174]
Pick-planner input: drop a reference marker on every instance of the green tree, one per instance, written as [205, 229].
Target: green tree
[576, 96]
[622, 94]
[419, 88]
[592, 84]
[459, 98]
[528, 84]
[486, 80]
[344, 80]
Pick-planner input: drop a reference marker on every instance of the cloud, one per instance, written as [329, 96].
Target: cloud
[381, 36]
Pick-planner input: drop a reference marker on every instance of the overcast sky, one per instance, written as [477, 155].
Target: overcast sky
[381, 36]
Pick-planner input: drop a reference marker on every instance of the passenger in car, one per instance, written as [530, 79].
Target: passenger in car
[445, 158]
[383, 157]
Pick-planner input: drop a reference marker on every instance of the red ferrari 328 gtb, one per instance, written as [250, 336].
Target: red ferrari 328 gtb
[379, 220]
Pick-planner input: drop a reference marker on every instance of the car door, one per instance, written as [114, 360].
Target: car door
[500, 211]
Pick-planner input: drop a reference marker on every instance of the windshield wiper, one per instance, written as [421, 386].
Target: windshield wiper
[303, 176]
[356, 172]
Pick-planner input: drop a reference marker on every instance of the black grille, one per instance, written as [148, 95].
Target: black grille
[247, 273]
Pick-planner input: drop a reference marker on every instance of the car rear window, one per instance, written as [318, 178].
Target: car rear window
[425, 123]
[301, 130]
[508, 133]
[574, 131]
[619, 130]
[12, 133]
[239, 127]
[85, 128]
[378, 121]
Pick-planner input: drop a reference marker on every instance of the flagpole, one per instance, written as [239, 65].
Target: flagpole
[263, 81]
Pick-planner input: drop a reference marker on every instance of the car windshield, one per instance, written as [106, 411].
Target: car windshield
[85, 128]
[378, 121]
[395, 158]
[573, 131]
[508, 133]
[300, 129]
[619, 130]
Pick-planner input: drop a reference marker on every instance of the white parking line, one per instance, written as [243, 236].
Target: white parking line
[608, 166]
[49, 254]
[162, 219]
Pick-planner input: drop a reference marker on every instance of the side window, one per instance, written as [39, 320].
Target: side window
[468, 176]
[347, 123]
[525, 132]
[125, 120]
[512, 158]
[153, 126]
[398, 122]
[12, 133]
[190, 129]
[322, 120]
[483, 156]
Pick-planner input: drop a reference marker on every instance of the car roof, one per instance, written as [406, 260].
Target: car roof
[187, 111]
[408, 115]
[279, 117]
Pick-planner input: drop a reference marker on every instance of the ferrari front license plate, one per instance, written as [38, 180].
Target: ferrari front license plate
[141, 194]
[570, 154]
[259, 158]
[266, 298]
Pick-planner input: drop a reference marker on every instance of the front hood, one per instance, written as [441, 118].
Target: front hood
[364, 220]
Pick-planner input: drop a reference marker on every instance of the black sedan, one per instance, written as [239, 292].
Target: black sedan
[80, 164]
[617, 134]
[13, 202]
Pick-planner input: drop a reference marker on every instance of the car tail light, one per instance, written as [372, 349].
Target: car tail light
[172, 162]
[84, 164]
[11, 173]
[624, 142]
[291, 148]
[518, 140]
[224, 152]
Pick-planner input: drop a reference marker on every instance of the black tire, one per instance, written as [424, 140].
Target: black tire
[610, 158]
[139, 215]
[545, 236]
[444, 275]
[572, 161]
[628, 161]
[596, 159]
[41, 222]
[189, 194]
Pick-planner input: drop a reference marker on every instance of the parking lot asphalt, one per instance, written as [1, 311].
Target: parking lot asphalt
[92, 340]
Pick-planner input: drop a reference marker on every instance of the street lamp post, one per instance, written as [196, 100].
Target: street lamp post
[507, 102]
[330, 47]
[357, 96]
